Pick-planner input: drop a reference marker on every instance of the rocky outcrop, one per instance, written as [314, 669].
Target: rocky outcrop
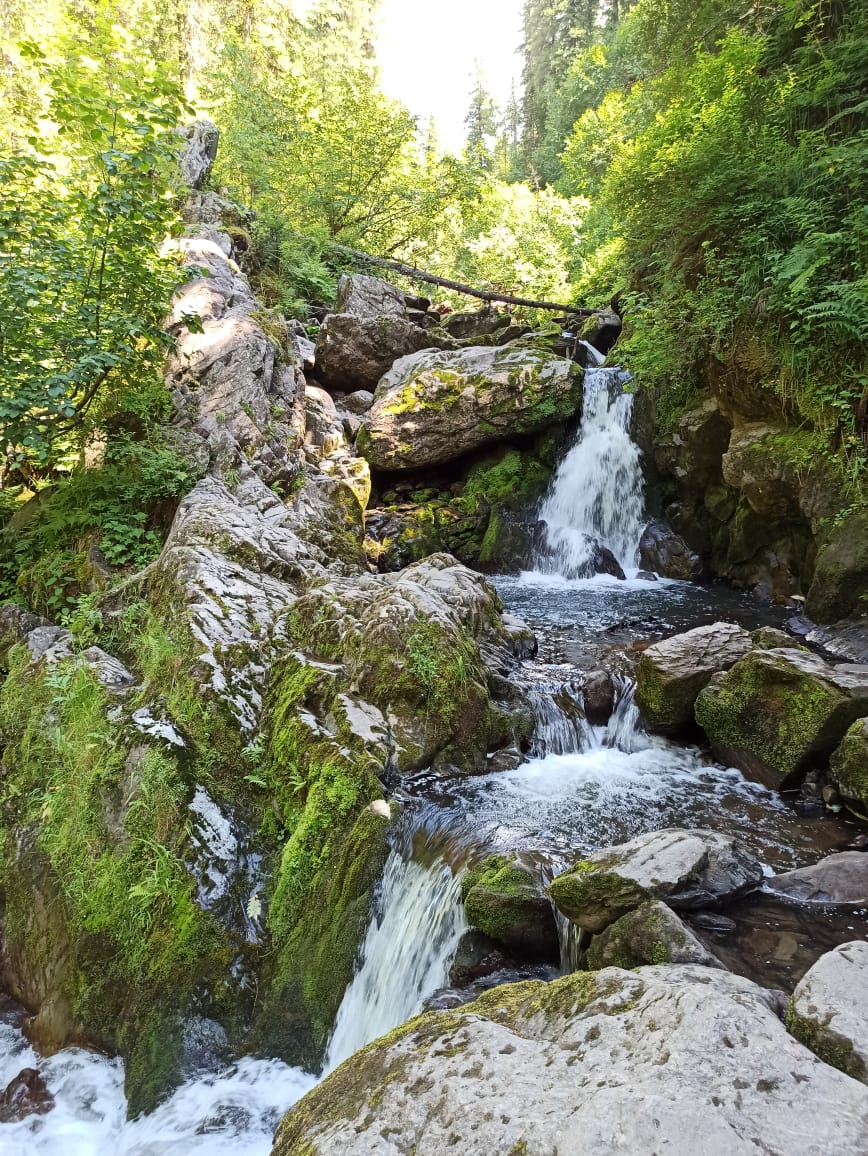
[681, 1059]
[664, 552]
[828, 1009]
[432, 407]
[507, 902]
[651, 934]
[849, 763]
[776, 712]
[686, 869]
[841, 574]
[671, 674]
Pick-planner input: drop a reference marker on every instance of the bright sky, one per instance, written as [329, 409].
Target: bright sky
[427, 55]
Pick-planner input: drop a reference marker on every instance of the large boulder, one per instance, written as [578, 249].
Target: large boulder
[849, 763]
[507, 902]
[671, 673]
[687, 869]
[680, 1059]
[664, 552]
[829, 1009]
[435, 406]
[777, 712]
[841, 573]
[839, 880]
[652, 933]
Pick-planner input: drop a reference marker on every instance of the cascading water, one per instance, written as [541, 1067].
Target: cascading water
[595, 500]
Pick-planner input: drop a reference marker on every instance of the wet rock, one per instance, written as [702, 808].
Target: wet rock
[561, 1067]
[777, 712]
[602, 329]
[358, 402]
[652, 933]
[685, 868]
[829, 1009]
[507, 902]
[435, 406]
[520, 638]
[840, 879]
[25, 1095]
[841, 573]
[713, 921]
[603, 561]
[598, 692]
[646, 576]
[664, 552]
[476, 955]
[671, 674]
[849, 764]
[767, 638]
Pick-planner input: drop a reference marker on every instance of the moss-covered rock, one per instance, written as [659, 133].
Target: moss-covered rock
[841, 575]
[827, 1011]
[434, 406]
[507, 902]
[778, 711]
[849, 763]
[652, 933]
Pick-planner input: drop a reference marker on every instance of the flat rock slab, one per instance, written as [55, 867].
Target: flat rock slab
[839, 879]
[673, 672]
[685, 868]
[680, 1060]
[829, 1010]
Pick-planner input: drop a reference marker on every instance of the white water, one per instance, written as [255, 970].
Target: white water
[595, 498]
[406, 954]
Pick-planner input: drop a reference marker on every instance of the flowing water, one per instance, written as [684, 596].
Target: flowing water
[581, 787]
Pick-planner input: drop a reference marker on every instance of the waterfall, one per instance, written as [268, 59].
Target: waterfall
[561, 726]
[406, 953]
[595, 500]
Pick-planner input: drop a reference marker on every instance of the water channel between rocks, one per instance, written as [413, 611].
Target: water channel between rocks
[580, 788]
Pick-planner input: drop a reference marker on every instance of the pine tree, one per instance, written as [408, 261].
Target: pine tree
[481, 124]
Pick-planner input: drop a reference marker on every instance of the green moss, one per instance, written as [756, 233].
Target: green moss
[849, 763]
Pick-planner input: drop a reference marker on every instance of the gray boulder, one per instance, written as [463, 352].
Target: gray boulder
[671, 673]
[829, 1009]
[682, 1060]
[198, 152]
[652, 933]
[664, 552]
[685, 868]
[840, 879]
[435, 406]
[358, 402]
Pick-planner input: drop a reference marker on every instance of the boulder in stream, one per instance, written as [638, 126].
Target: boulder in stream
[679, 1059]
[434, 406]
[25, 1095]
[839, 880]
[849, 763]
[652, 933]
[507, 902]
[777, 712]
[685, 868]
[671, 673]
[829, 1009]
[664, 552]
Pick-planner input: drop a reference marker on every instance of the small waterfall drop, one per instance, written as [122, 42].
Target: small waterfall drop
[595, 500]
[406, 953]
[561, 726]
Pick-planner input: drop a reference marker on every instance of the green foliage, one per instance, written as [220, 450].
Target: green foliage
[85, 202]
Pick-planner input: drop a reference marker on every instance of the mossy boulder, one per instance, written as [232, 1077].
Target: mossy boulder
[506, 901]
[687, 869]
[777, 712]
[671, 673]
[841, 574]
[849, 763]
[652, 933]
[829, 1009]
[433, 407]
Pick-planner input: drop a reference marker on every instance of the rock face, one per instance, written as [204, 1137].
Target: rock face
[839, 880]
[685, 868]
[682, 1060]
[199, 153]
[849, 763]
[841, 574]
[671, 673]
[652, 933]
[829, 1009]
[507, 902]
[432, 407]
[777, 711]
[664, 552]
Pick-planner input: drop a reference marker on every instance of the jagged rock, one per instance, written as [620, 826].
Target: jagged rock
[358, 402]
[434, 406]
[680, 1059]
[520, 639]
[778, 711]
[849, 764]
[685, 868]
[652, 933]
[598, 694]
[15, 624]
[671, 674]
[693, 451]
[25, 1095]
[476, 956]
[841, 573]
[198, 152]
[829, 1009]
[506, 901]
[664, 552]
[839, 880]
